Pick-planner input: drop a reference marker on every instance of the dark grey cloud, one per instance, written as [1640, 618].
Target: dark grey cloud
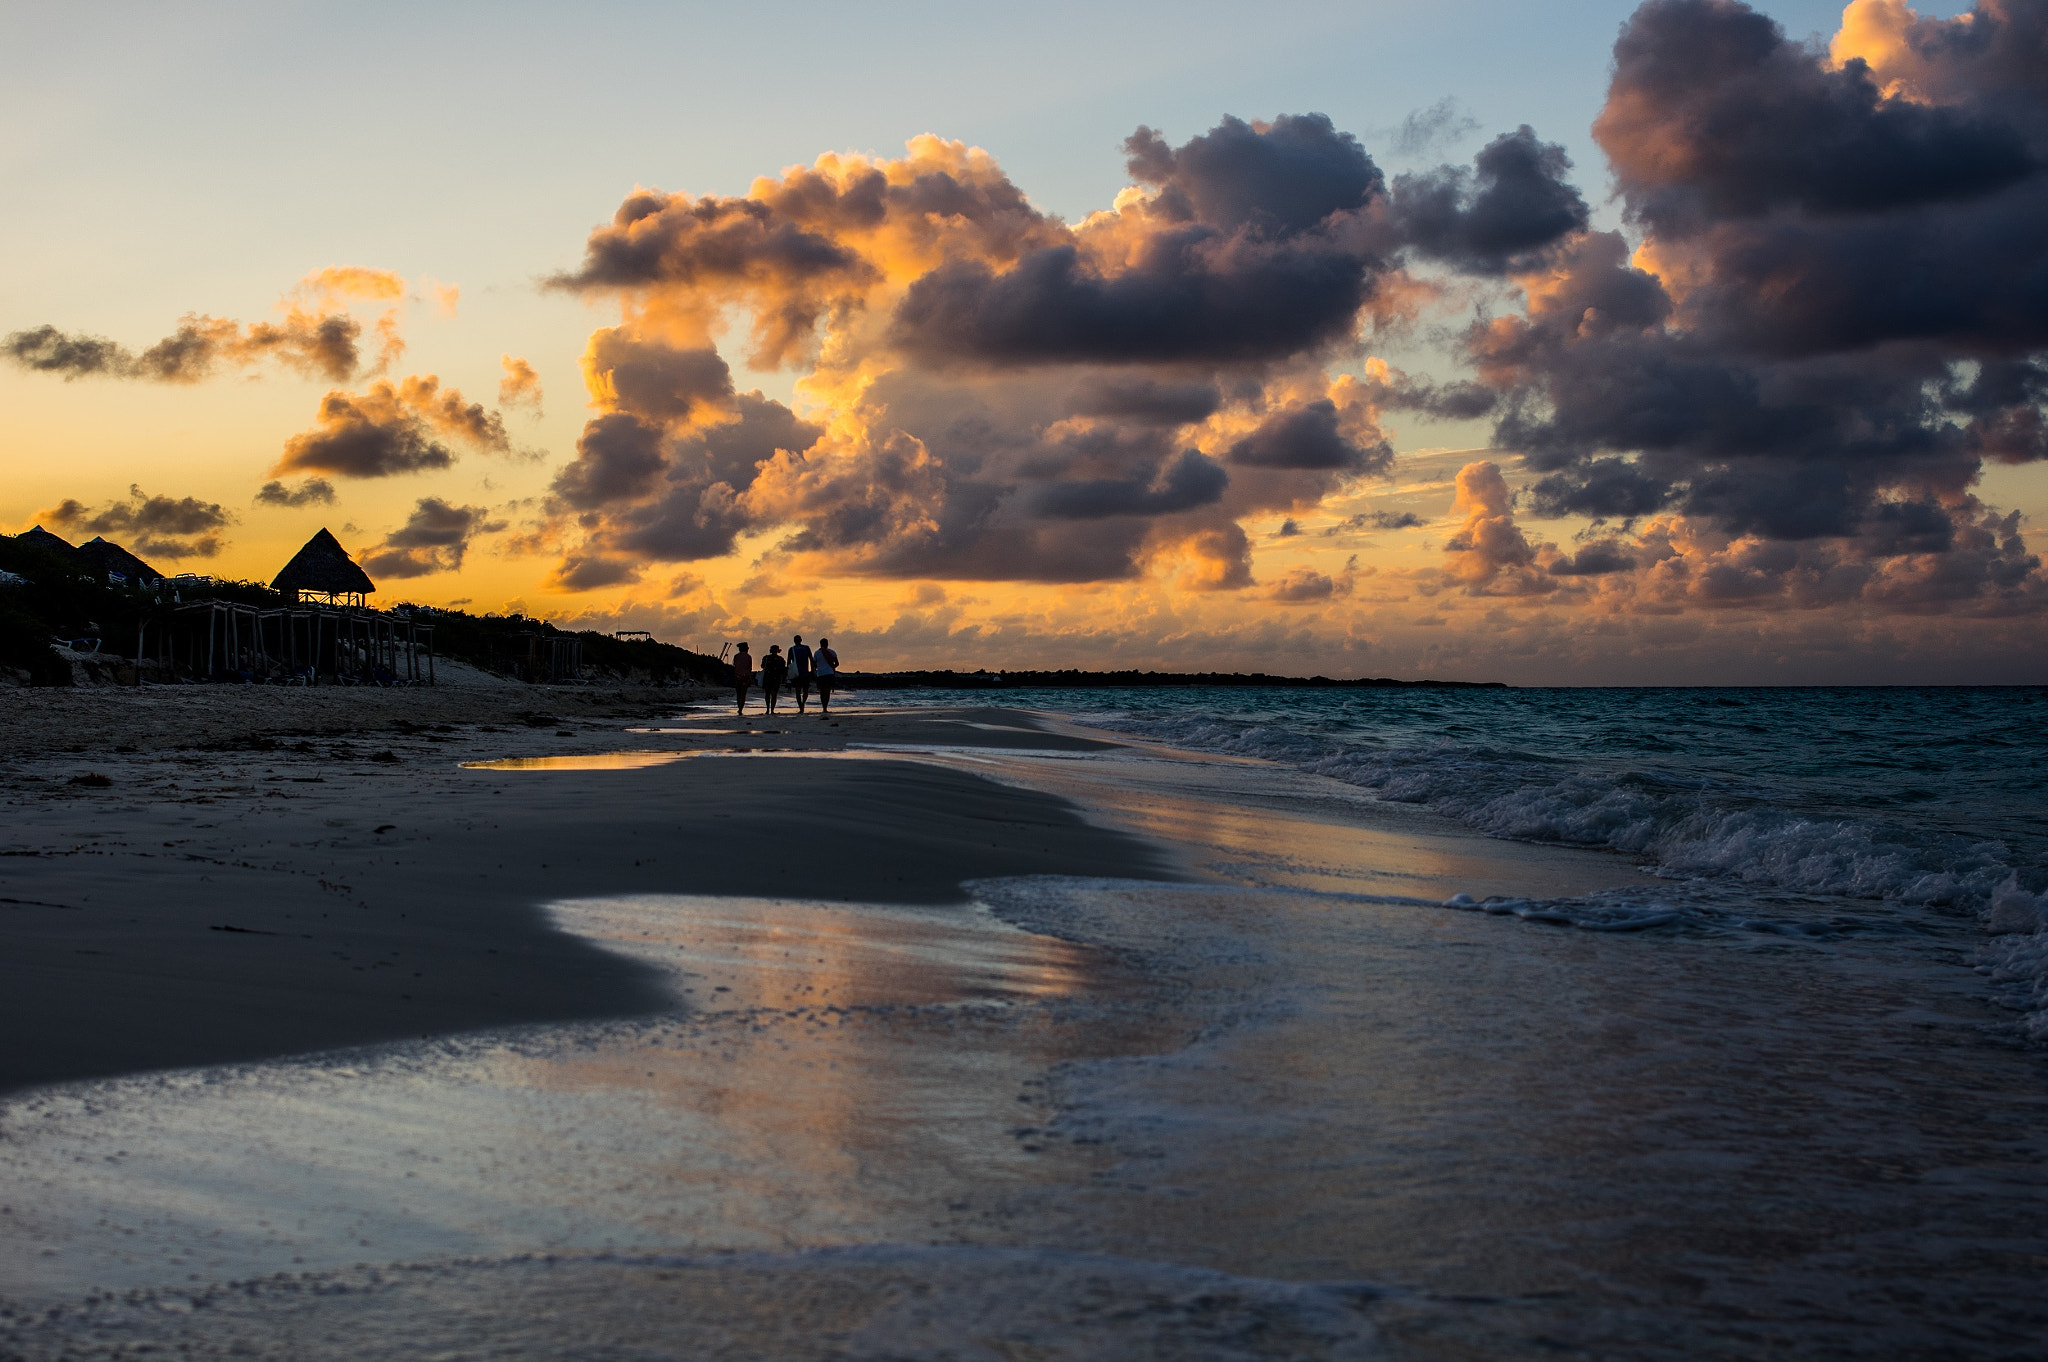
[659, 382]
[152, 525]
[1190, 481]
[1862, 309]
[1603, 489]
[1304, 585]
[1714, 114]
[618, 458]
[1309, 436]
[367, 436]
[1260, 248]
[322, 346]
[1515, 200]
[1596, 559]
[1150, 400]
[390, 428]
[692, 504]
[51, 351]
[1285, 177]
[1377, 520]
[1425, 131]
[676, 239]
[434, 538]
[311, 492]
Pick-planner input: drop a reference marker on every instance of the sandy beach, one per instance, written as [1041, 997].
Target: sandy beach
[586, 1023]
[267, 873]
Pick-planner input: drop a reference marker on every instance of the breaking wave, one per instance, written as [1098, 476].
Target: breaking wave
[1679, 824]
[1709, 828]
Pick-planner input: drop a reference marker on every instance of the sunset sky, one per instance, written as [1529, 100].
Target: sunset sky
[1578, 343]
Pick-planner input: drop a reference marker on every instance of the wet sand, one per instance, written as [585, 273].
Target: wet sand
[1204, 1067]
[274, 895]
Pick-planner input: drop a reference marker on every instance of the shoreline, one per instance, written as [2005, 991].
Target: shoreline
[272, 894]
[1272, 1095]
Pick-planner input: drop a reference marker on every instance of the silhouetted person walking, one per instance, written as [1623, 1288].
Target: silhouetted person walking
[742, 676]
[773, 668]
[800, 671]
[827, 663]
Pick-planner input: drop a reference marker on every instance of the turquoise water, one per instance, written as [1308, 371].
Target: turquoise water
[1809, 810]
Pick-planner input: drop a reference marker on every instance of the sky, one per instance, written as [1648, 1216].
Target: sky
[1579, 343]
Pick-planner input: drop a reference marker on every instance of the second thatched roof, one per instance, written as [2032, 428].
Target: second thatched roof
[323, 566]
[103, 556]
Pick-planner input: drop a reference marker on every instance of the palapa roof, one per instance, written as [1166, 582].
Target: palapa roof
[102, 556]
[42, 538]
[323, 566]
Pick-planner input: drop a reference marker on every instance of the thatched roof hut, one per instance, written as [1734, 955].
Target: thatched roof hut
[102, 557]
[323, 568]
[43, 539]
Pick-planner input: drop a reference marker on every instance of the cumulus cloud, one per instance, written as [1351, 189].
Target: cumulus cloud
[520, 387]
[1306, 586]
[434, 538]
[157, 526]
[1838, 312]
[1513, 202]
[311, 492]
[315, 336]
[1490, 554]
[989, 393]
[1377, 520]
[391, 428]
[986, 392]
[1257, 241]
[1426, 130]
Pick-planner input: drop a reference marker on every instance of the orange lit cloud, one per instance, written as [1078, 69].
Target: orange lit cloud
[435, 538]
[520, 387]
[316, 337]
[161, 526]
[391, 428]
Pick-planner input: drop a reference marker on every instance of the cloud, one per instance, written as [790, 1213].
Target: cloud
[1513, 202]
[434, 538]
[1490, 554]
[1425, 131]
[316, 337]
[323, 346]
[1310, 436]
[1377, 520]
[943, 428]
[391, 428]
[1306, 586]
[311, 492]
[521, 385]
[1256, 241]
[1189, 481]
[156, 526]
[1838, 311]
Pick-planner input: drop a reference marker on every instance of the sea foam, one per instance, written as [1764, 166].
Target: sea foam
[1681, 825]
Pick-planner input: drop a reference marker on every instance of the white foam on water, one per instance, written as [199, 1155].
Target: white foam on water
[1684, 828]
[903, 1303]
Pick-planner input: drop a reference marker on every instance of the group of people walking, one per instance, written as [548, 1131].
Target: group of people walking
[801, 668]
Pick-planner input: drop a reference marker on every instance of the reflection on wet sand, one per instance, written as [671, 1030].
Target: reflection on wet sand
[1250, 822]
[578, 761]
[796, 1098]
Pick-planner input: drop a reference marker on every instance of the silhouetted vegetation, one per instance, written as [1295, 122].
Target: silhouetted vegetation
[58, 599]
[1072, 679]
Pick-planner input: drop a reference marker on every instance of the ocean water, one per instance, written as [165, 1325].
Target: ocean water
[1809, 810]
[1363, 1086]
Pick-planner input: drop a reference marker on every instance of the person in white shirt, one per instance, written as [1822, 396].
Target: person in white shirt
[742, 676]
[827, 664]
[800, 670]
